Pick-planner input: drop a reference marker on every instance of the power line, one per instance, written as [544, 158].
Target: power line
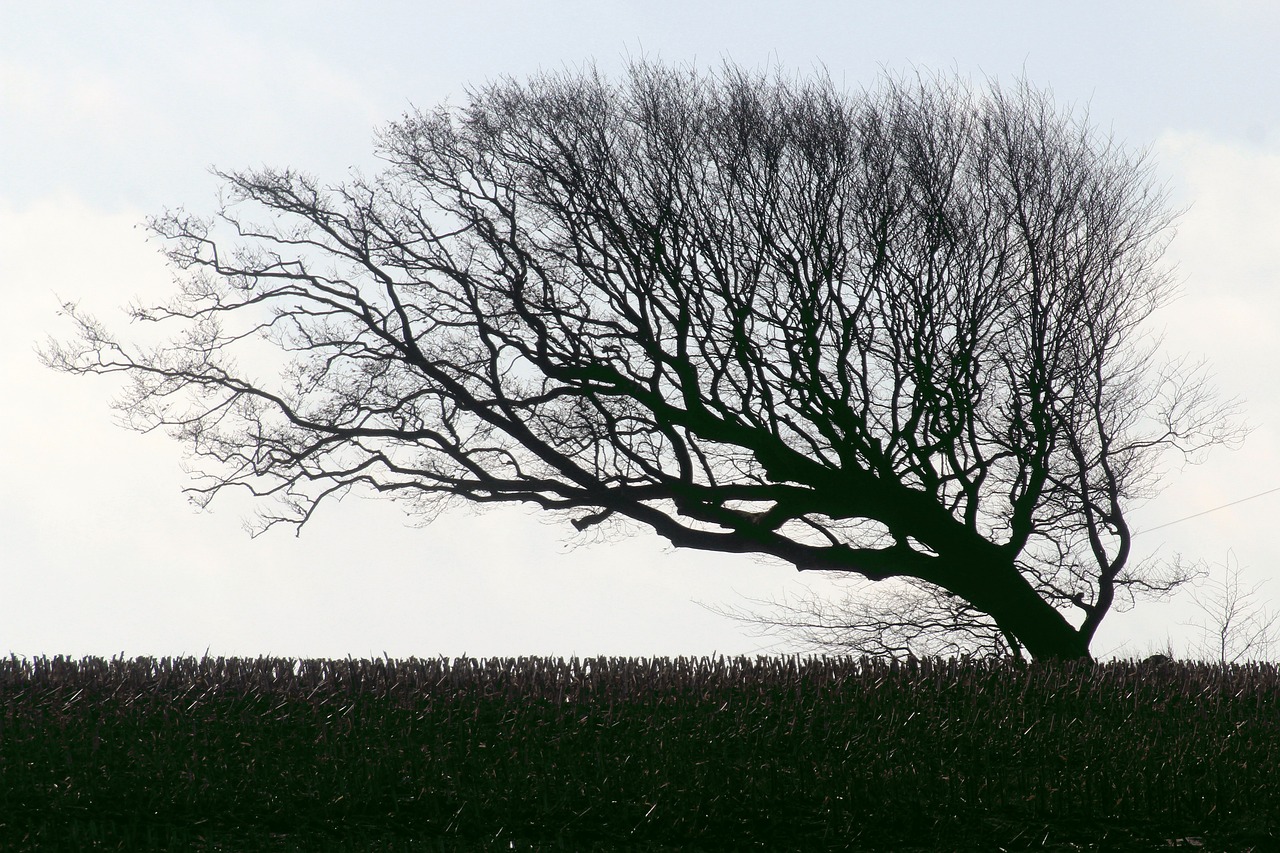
[1206, 512]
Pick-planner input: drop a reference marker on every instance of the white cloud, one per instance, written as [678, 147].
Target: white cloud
[1233, 222]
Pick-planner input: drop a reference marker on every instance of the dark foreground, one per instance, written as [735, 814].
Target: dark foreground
[629, 754]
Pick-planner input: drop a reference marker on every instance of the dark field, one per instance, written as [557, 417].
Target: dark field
[635, 754]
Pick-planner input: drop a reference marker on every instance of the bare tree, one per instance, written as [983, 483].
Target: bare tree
[896, 333]
[1236, 626]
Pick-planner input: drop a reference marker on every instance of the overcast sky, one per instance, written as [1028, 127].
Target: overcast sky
[112, 112]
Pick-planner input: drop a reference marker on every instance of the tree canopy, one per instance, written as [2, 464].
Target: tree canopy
[898, 333]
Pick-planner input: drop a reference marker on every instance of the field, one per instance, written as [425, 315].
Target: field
[644, 754]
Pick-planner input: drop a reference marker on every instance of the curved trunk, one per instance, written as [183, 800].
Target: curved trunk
[1043, 631]
[997, 588]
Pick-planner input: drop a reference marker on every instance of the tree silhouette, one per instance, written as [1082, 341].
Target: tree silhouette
[895, 333]
[1236, 628]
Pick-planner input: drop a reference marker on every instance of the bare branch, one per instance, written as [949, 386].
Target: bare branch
[1236, 627]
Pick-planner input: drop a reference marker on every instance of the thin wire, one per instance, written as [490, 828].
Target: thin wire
[1206, 512]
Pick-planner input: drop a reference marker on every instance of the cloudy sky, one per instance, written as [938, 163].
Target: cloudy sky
[112, 112]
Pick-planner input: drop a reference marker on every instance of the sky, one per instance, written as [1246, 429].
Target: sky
[110, 113]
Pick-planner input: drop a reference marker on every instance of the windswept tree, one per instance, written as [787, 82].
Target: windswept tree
[896, 333]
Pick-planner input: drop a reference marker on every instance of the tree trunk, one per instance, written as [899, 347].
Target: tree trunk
[1001, 591]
